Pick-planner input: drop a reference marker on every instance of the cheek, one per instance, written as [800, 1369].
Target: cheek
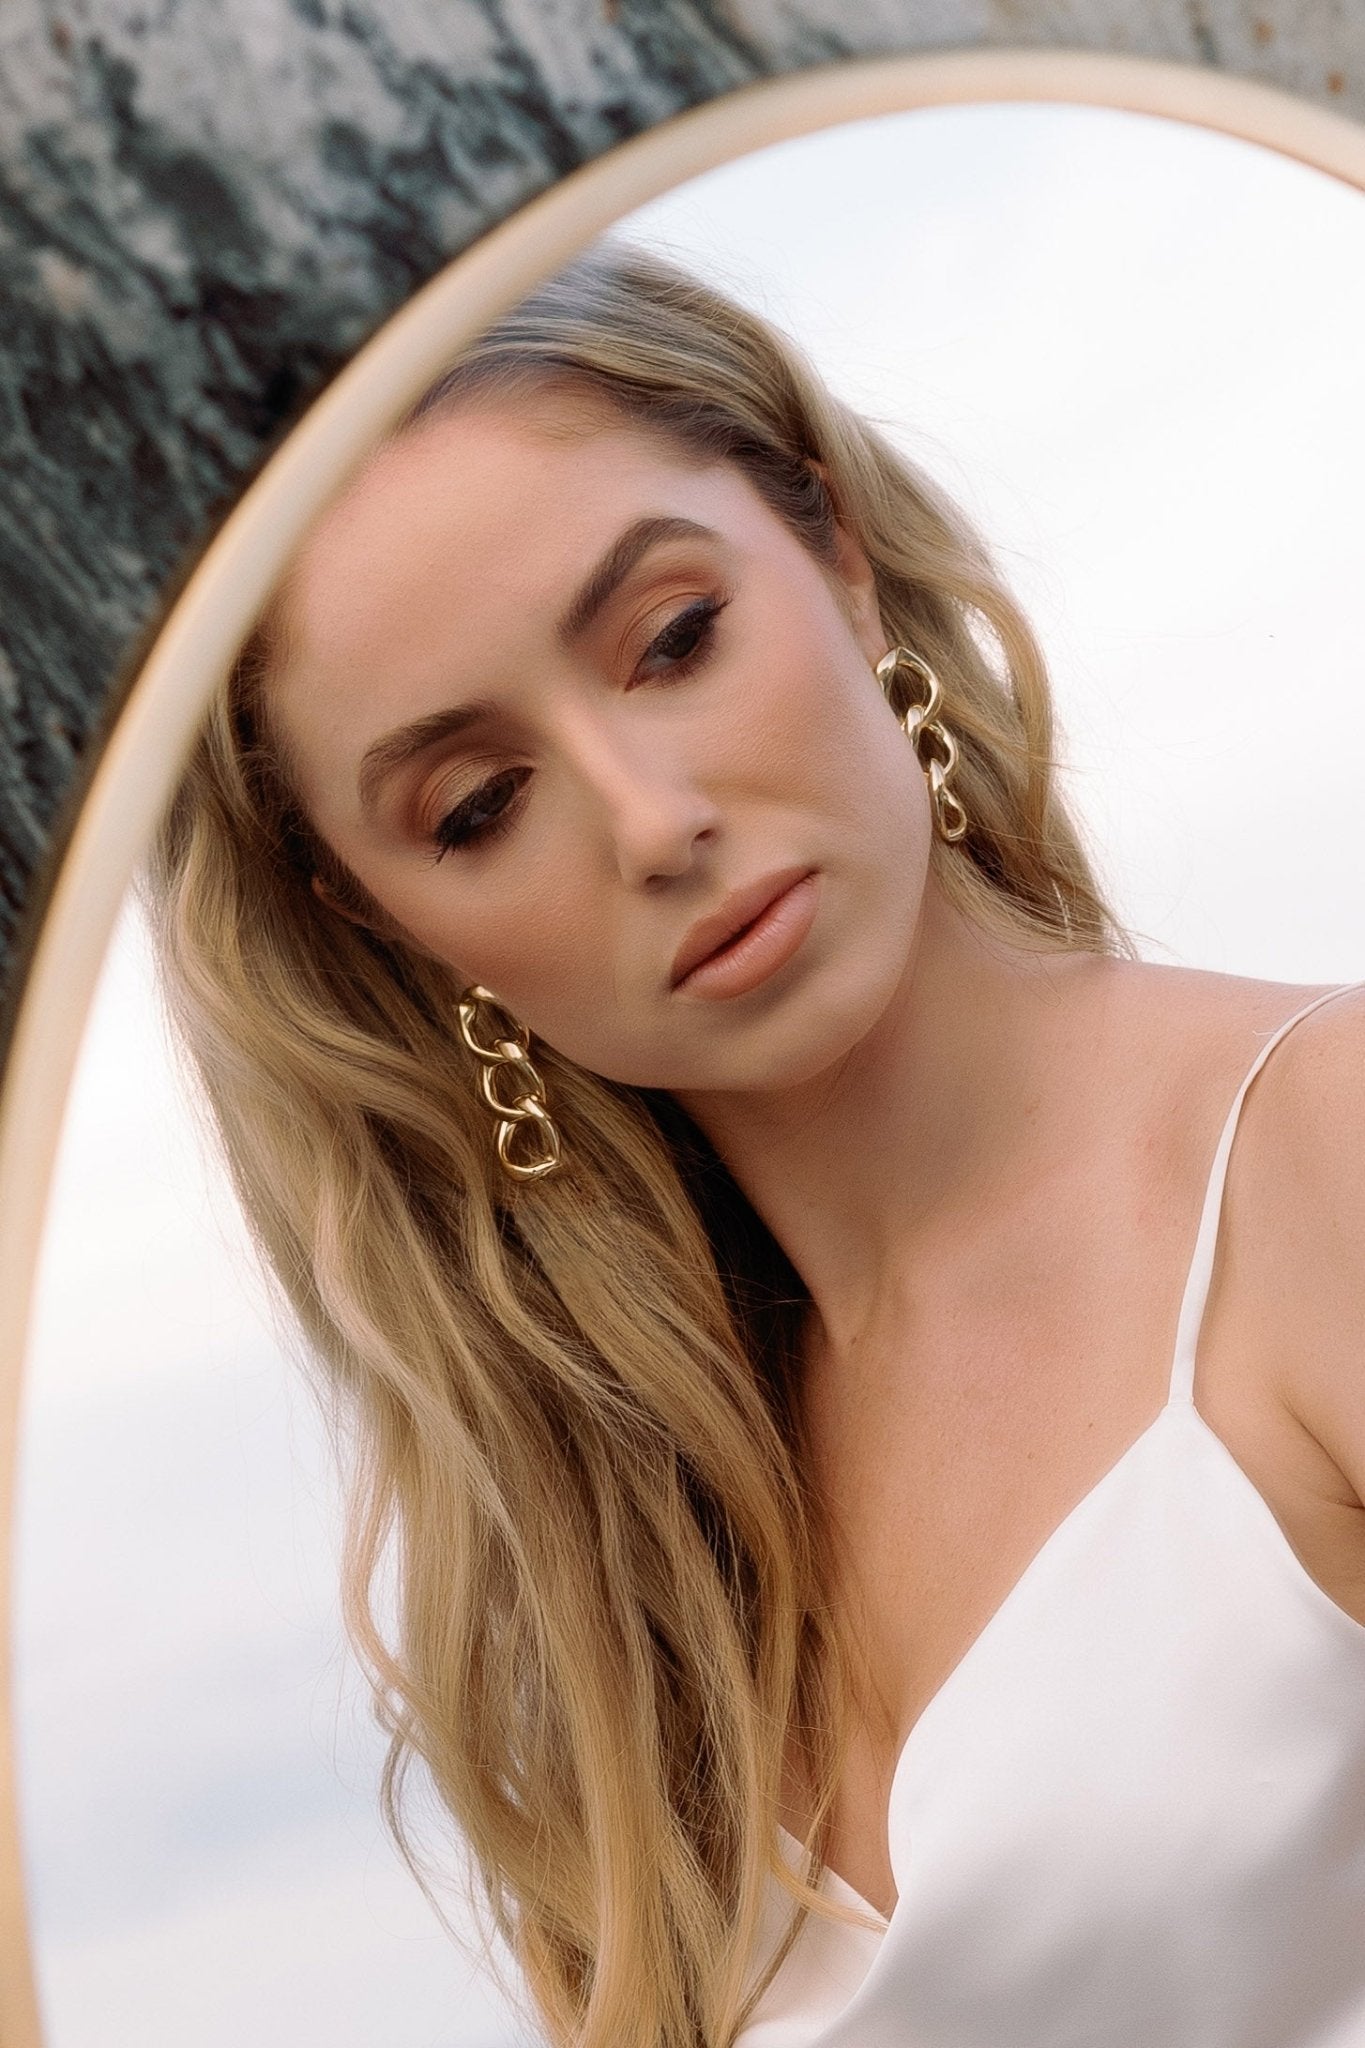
[551, 958]
[819, 727]
[542, 938]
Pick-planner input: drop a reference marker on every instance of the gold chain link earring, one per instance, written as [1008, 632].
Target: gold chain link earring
[920, 723]
[511, 1042]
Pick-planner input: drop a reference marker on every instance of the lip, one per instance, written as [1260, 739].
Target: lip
[741, 908]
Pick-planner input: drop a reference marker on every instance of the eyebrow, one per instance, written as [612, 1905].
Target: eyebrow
[617, 563]
[405, 741]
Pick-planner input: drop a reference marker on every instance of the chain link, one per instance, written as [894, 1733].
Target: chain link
[480, 1009]
[929, 737]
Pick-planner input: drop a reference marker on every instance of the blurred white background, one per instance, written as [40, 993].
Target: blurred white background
[1132, 350]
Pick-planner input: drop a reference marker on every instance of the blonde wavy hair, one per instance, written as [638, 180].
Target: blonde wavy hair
[572, 1406]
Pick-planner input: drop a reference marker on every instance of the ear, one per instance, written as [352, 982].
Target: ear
[325, 895]
[858, 584]
[387, 930]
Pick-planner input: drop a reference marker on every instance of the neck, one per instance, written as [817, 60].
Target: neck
[934, 1125]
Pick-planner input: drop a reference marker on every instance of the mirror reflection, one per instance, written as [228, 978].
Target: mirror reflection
[876, 1039]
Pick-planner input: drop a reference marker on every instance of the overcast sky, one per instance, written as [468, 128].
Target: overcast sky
[1131, 349]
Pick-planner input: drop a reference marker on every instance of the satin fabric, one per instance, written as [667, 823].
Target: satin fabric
[1134, 1814]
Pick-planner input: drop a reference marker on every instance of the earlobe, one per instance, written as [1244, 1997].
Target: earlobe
[381, 926]
[325, 896]
[865, 611]
[859, 582]
[858, 588]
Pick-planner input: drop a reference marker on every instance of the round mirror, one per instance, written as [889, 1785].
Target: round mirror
[1128, 347]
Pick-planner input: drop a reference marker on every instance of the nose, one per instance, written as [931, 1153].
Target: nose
[656, 814]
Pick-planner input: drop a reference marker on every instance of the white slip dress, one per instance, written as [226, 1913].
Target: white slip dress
[1133, 1816]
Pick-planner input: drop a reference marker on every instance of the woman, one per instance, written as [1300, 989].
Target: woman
[677, 1059]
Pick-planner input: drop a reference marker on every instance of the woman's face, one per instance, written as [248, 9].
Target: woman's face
[572, 709]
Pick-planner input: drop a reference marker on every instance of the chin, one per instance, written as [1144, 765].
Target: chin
[811, 1033]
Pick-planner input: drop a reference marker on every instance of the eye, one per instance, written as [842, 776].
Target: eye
[481, 815]
[685, 641]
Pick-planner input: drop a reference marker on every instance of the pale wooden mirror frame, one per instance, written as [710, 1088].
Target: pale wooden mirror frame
[143, 756]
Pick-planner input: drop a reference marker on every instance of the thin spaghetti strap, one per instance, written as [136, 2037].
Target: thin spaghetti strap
[1201, 1265]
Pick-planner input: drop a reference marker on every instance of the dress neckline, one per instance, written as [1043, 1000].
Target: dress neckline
[995, 1621]
[1179, 1401]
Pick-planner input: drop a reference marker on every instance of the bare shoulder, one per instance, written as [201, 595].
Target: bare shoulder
[1294, 1221]
[1198, 1031]
[1311, 1102]
[1301, 1202]
[1205, 1021]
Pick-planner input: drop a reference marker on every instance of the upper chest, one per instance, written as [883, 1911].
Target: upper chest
[942, 1506]
[1017, 1386]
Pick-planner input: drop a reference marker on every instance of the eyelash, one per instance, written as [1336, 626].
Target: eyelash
[699, 618]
